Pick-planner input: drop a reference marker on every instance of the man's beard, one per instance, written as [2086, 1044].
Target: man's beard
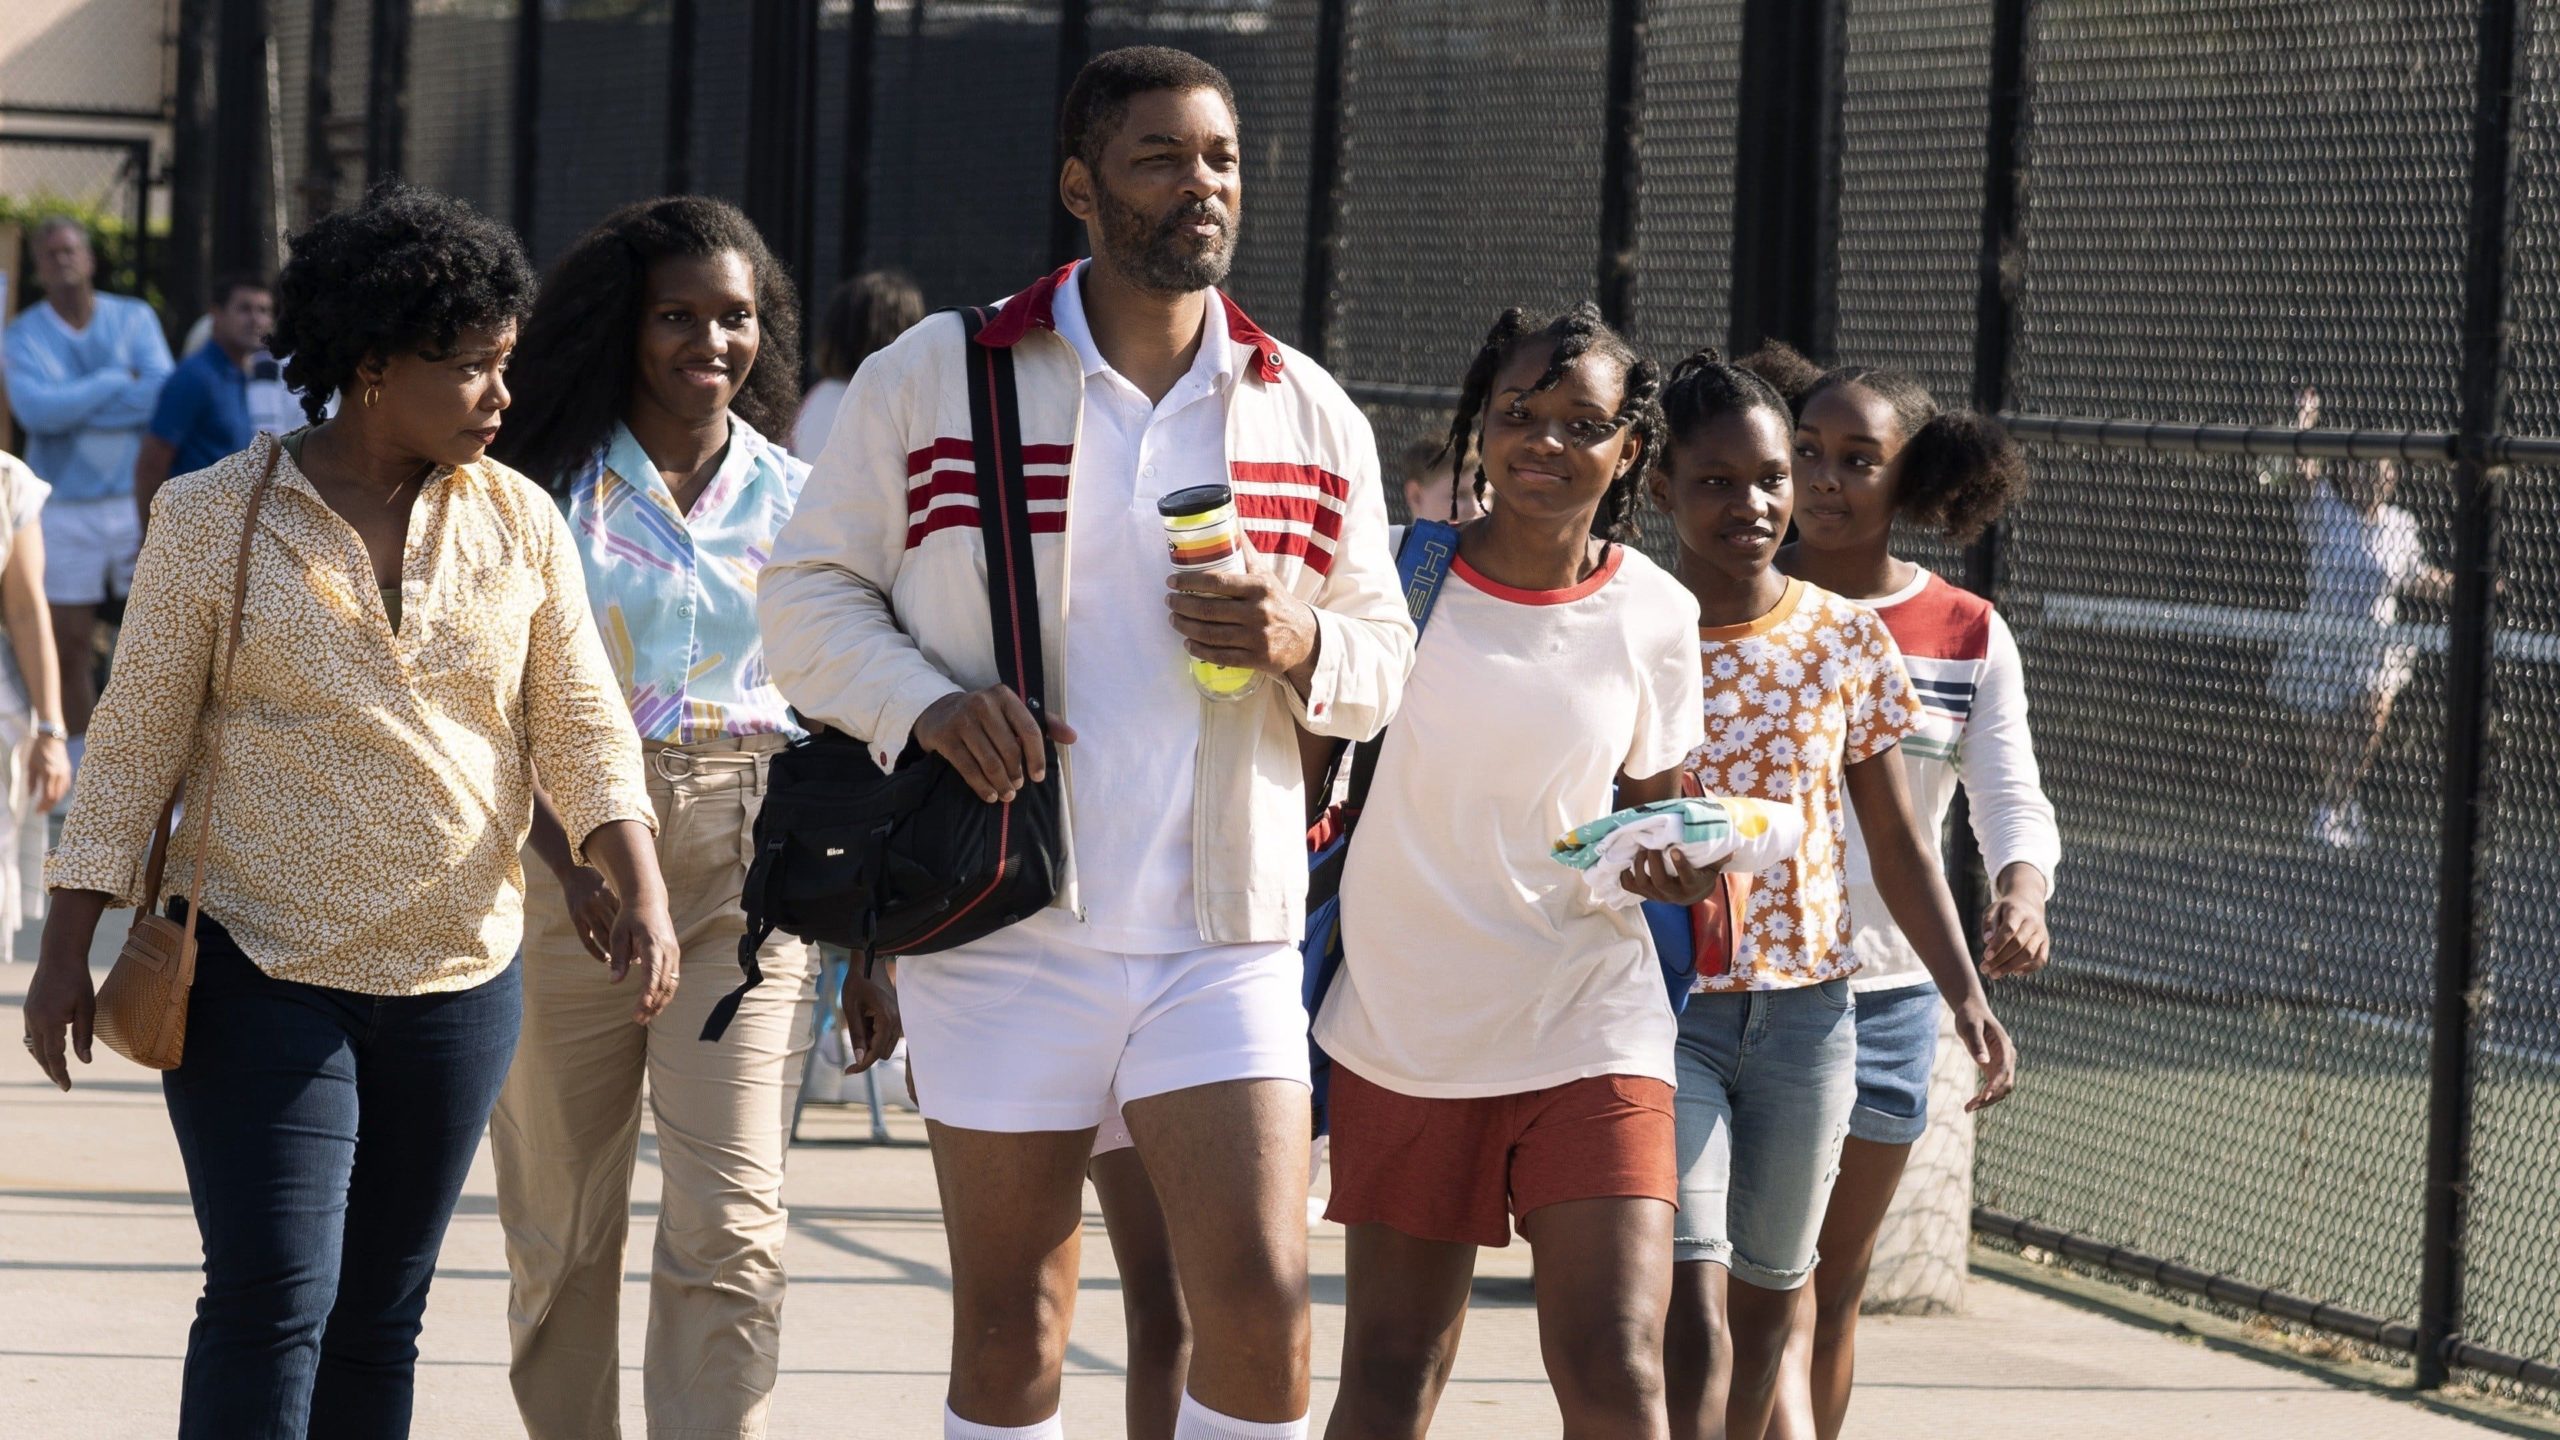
[1156, 256]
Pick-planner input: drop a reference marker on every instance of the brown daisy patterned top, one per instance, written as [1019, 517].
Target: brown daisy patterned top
[377, 783]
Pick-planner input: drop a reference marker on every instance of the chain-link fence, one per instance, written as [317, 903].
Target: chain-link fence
[2300, 1048]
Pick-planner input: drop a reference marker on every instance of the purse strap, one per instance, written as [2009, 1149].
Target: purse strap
[1004, 515]
[157, 867]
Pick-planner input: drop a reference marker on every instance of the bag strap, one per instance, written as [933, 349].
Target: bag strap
[1013, 601]
[1422, 567]
[1004, 515]
[157, 867]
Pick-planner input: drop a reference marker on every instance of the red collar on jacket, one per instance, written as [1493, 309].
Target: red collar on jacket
[1033, 308]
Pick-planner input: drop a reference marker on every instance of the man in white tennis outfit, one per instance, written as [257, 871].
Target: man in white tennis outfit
[1167, 975]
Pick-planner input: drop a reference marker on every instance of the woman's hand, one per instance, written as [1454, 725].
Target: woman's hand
[1666, 875]
[644, 938]
[48, 772]
[643, 935]
[871, 1022]
[1987, 1041]
[61, 998]
[592, 908]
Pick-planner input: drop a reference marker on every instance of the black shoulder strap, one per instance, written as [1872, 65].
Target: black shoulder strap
[1004, 515]
[1013, 596]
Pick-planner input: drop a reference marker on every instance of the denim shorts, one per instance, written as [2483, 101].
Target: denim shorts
[1767, 1079]
[1897, 1048]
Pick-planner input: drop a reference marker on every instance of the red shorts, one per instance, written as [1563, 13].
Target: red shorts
[1457, 1170]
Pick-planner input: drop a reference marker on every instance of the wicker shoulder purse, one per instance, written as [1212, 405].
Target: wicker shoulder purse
[142, 1004]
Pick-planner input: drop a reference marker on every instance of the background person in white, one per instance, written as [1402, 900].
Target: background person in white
[84, 371]
[1170, 967]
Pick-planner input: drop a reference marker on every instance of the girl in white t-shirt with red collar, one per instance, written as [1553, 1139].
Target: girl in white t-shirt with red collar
[1501, 1047]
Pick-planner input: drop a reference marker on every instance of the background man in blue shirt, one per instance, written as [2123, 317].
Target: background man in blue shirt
[203, 413]
[84, 371]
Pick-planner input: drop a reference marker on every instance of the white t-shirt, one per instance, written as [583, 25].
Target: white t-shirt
[817, 417]
[1130, 698]
[2359, 563]
[1474, 963]
[22, 497]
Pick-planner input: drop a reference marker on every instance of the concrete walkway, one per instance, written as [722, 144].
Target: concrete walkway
[98, 1275]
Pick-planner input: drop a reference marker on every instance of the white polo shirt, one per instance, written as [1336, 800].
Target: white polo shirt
[1130, 698]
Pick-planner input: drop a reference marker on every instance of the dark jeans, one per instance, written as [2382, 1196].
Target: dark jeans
[326, 1135]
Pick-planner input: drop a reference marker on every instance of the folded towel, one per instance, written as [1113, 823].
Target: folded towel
[1712, 833]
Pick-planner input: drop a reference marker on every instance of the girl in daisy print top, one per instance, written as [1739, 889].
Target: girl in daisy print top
[1501, 1047]
[1806, 702]
[1871, 445]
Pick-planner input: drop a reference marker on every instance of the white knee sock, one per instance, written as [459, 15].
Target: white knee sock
[1199, 1422]
[955, 1428]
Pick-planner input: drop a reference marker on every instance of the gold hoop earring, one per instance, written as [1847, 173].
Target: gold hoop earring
[372, 393]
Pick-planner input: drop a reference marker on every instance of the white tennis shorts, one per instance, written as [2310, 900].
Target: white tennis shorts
[1022, 1031]
[89, 548]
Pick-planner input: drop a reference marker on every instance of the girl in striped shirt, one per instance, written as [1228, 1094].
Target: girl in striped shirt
[1871, 445]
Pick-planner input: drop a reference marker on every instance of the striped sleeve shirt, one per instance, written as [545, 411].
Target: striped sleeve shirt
[1972, 697]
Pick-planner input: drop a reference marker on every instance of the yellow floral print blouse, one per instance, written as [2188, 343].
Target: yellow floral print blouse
[376, 783]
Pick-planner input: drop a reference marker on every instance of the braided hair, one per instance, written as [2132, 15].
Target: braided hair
[1706, 388]
[1957, 470]
[1576, 333]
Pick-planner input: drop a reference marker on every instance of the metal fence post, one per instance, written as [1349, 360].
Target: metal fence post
[186, 264]
[240, 215]
[526, 120]
[782, 115]
[1324, 178]
[1622, 162]
[680, 41]
[1786, 175]
[386, 128]
[2468, 731]
[319, 184]
[862, 43]
[1075, 46]
[2004, 180]
[1995, 333]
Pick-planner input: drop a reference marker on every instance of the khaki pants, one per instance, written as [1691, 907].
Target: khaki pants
[567, 1132]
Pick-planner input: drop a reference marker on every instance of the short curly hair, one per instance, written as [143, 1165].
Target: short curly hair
[1099, 99]
[408, 269]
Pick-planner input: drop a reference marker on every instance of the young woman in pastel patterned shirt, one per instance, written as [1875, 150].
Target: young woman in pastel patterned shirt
[1806, 701]
[664, 345]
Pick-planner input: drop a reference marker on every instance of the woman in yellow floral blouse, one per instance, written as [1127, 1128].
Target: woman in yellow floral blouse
[415, 644]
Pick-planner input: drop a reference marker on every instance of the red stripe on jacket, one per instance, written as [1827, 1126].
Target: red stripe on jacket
[1275, 472]
[956, 450]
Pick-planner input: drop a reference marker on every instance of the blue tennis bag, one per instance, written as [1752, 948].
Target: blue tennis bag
[1422, 564]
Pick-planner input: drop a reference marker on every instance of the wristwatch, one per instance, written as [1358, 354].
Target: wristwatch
[51, 730]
